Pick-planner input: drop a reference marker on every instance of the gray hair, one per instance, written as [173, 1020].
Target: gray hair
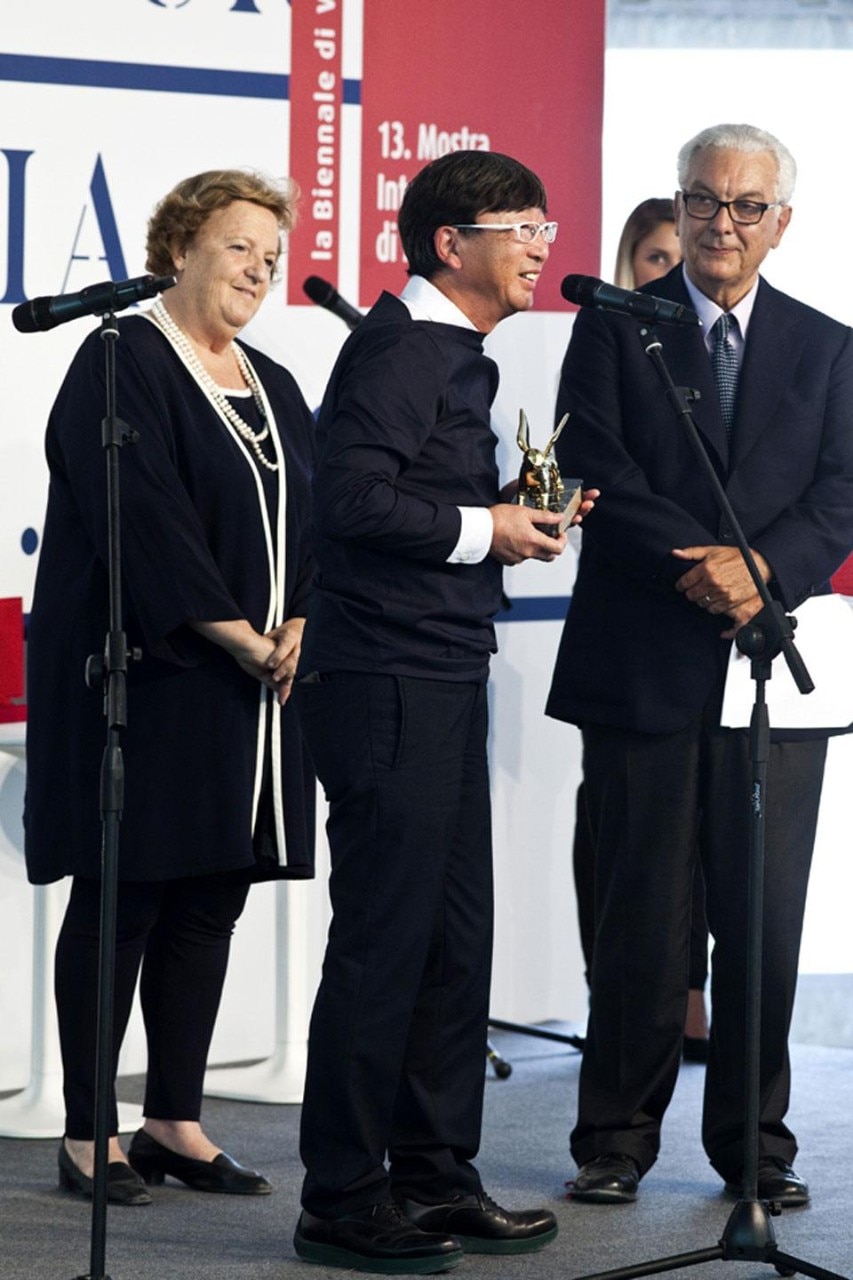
[742, 137]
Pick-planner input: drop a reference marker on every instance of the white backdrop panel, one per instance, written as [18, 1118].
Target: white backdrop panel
[147, 138]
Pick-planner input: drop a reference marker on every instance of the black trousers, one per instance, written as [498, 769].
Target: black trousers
[179, 931]
[395, 1052]
[583, 868]
[653, 801]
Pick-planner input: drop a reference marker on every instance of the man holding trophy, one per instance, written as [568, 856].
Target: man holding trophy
[391, 695]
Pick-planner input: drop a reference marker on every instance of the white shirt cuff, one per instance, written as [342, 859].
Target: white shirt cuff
[475, 537]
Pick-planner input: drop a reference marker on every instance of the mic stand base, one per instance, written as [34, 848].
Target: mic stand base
[748, 1236]
[524, 1029]
[501, 1067]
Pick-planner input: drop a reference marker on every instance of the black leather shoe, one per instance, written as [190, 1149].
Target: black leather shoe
[481, 1226]
[379, 1239]
[123, 1185]
[777, 1181]
[609, 1179]
[152, 1161]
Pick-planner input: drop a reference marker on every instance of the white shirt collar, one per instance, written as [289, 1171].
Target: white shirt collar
[425, 302]
[709, 313]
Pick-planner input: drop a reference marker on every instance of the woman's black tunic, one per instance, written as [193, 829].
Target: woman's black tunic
[197, 543]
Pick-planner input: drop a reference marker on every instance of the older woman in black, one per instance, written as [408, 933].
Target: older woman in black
[216, 575]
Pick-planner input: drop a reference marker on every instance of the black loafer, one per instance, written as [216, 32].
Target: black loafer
[778, 1182]
[152, 1161]
[481, 1226]
[379, 1239]
[123, 1185]
[609, 1179]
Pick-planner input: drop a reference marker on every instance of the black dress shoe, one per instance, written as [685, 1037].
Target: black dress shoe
[609, 1179]
[777, 1181]
[123, 1185]
[153, 1161]
[481, 1226]
[379, 1239]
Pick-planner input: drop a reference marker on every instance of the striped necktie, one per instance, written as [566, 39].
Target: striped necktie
[725, 363]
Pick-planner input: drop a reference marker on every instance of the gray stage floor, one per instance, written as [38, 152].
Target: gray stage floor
[45, 1235]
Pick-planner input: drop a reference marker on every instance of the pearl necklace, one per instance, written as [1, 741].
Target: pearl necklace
[186, 351]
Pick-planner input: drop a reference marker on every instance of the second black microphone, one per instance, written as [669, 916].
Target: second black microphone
[586, 291]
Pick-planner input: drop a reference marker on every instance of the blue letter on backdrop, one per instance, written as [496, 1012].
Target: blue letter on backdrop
[113, 254]
[16, 161]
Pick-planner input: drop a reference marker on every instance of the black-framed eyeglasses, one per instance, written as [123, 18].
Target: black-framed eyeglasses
[746, 212]
[526, 232]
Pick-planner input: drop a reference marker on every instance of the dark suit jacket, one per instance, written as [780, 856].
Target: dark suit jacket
[634, 652]
[194, 527]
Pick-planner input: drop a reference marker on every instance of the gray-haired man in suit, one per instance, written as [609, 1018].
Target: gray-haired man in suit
[661, 590]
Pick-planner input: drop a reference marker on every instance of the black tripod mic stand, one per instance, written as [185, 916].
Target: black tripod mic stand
[109, 671]
[748, 1235]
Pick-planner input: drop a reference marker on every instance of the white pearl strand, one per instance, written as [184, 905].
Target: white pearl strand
[186, 351]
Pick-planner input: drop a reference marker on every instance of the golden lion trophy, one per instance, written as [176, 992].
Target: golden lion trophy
[539, 481]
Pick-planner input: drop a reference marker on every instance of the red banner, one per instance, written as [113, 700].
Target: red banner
[316, 95]
[11, 660]
[842, 579]
[479, 75]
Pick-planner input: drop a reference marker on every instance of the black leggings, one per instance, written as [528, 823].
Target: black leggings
[180, 932]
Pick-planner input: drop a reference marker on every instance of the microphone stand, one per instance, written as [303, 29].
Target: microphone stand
[748, 1235]
[109, 671]
[525, 1029]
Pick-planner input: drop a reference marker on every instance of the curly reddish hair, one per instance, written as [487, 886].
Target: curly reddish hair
[180, 214]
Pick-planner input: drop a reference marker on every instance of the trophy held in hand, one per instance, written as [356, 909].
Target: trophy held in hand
[539, 481]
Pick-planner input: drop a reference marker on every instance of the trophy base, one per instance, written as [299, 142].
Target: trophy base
[567, 501]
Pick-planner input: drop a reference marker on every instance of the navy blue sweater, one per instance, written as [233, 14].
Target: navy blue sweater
[404, 440]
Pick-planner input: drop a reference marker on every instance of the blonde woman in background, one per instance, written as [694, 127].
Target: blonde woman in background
[648, 245]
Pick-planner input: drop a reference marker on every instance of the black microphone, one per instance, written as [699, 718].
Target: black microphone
[97, 299]
[586, 291]
[321, 292]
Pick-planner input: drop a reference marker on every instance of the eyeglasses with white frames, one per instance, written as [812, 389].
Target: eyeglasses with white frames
[526, 232]
[745, 212]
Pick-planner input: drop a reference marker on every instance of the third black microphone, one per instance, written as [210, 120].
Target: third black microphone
[586, 291]
[325, 295]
